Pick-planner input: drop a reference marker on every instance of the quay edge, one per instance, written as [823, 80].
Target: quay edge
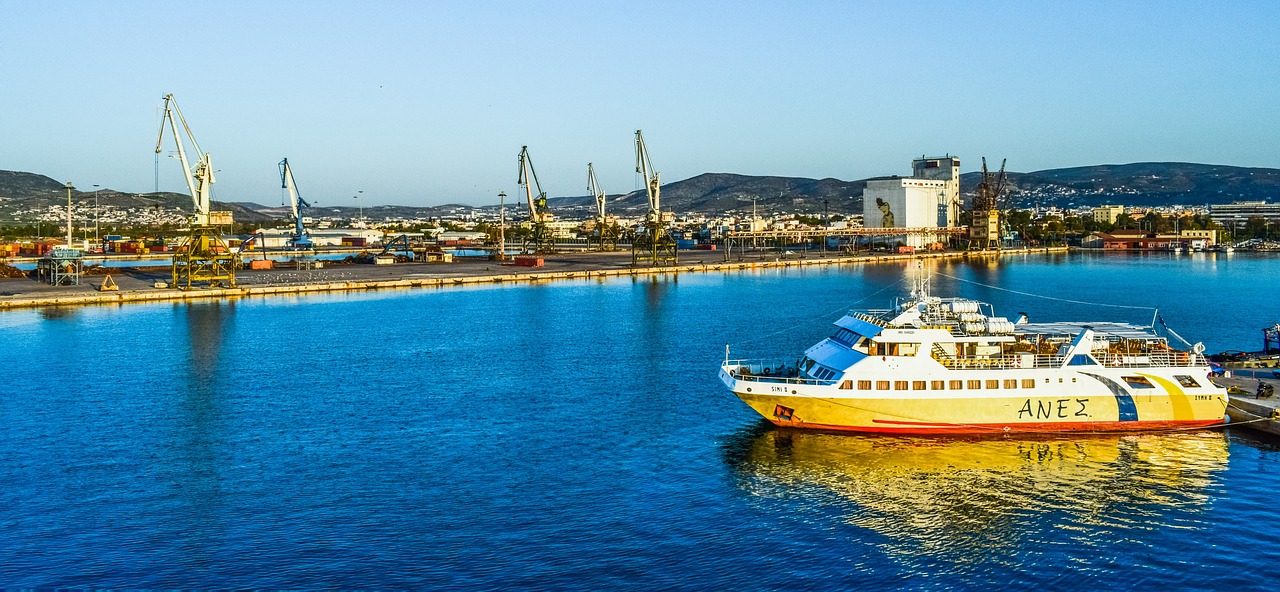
[156, 295]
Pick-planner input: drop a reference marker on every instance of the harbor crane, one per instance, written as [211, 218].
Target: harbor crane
[606, 231]
[539, 213]
[653, 243]
[984, 228]
[300, 240]
[204, 256]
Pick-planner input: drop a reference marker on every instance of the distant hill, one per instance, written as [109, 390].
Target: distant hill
[29, 191]
[1139, 184]
[728, 192]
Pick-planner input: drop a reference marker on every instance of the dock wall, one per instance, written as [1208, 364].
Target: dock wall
[156, 295]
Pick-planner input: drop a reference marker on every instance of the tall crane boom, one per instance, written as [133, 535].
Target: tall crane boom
[538, 210]
[606, 231]
[652, 178]
[300, 239]
[594, 188]
[655, 243]
[200, 180]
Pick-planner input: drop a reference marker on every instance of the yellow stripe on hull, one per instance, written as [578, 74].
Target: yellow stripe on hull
[989, 414]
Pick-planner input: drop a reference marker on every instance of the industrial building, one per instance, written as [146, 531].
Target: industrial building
[929, 198]
[278, 238]
[1236, 214]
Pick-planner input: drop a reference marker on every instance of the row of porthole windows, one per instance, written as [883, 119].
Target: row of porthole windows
[939, 385]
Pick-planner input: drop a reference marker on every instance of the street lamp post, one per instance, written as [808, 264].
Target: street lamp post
[97, 215]
[502, 226]
[359, 205]
[69, 188]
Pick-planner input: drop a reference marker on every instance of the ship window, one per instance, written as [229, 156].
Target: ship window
[845, 336]
[1011, 383]
[908, 349]
[917, 385]
[1028, 383]
[882, 385]
[1081, 360]
[993, 384]
[808, 364]
[1187, 381]
[847, 385]
[899, 385]
[1138, 382]
[937, 385]
[975, 384]
[864, 385]
[823, 373]
[957, 384]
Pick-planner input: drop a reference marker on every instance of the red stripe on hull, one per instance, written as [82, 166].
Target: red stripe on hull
[922, 428]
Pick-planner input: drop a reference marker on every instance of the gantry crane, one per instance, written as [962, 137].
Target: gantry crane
[204, 256]
[984, 228]
[300, 240]
[539, 212]
[654, 243]
[606, 230]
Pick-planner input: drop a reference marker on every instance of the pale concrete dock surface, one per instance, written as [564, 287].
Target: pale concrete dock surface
[137, 284]
[1244, 407]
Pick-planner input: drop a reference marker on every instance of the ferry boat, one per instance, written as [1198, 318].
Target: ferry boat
[938, 365]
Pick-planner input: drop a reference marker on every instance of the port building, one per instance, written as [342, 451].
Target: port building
[1107, 213]
[929, 198]
[1237, 214]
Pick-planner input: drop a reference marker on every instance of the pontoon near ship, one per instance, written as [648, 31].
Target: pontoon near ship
[949, 366]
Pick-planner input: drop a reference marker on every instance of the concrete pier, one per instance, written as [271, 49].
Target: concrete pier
[1244, 407]
[137, 284]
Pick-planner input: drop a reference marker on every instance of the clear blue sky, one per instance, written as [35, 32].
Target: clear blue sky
[424, 103]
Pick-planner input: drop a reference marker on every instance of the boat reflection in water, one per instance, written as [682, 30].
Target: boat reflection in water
[967, 496]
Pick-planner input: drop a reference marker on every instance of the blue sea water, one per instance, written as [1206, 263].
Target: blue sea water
[573, 435]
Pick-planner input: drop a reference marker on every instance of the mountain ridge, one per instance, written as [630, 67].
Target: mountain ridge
[1135, 184]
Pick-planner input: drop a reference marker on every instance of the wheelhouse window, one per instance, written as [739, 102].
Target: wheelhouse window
[846, 336]
[821, 372]
[1187, 381]
[1138, 382]
[892, 349]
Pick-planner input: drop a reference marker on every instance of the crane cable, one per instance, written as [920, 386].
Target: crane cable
[1043, 296]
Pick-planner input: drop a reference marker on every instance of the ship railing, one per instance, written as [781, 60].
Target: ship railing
[1163, 359]
[776, 371]
[1005, 362]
